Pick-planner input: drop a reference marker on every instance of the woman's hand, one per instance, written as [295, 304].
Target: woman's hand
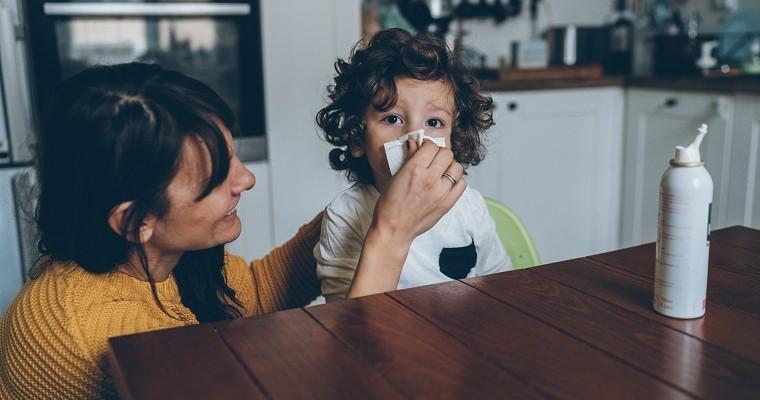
[417, 197]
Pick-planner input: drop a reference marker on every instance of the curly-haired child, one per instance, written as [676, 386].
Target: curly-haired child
[397, 84]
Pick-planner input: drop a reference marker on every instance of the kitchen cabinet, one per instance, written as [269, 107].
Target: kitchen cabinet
[10, 267]
[744, 185]
[255, 213]
[657, 121]
[555, 158]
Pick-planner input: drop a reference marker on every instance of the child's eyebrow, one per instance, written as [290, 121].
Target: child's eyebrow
[436, 107]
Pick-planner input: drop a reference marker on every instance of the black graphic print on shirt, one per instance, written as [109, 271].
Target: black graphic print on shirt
[456, 262]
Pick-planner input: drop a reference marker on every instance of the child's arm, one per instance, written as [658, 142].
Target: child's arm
[337, 252]
[492, 257]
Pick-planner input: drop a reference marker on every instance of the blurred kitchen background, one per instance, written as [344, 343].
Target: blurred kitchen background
[591, 97]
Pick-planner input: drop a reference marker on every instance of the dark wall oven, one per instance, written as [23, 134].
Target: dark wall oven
[218, 43]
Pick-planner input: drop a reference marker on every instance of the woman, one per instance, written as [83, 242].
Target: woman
[138, 189]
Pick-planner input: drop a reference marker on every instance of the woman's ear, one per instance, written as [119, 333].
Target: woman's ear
[116, 220]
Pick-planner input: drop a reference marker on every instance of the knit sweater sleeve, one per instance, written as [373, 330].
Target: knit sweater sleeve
[53, 338]
[284, 278]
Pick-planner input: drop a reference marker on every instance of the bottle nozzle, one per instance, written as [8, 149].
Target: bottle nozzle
[690, 154]
[701, 132]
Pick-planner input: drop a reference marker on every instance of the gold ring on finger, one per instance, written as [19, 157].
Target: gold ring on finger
[450, 178]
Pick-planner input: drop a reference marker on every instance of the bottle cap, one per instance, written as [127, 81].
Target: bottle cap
[689, 156]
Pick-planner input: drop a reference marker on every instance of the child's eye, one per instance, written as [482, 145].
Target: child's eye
[392, 119]
[435, 123]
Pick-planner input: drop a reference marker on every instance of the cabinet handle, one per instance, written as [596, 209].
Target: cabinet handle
[671, 102]
[512, 106]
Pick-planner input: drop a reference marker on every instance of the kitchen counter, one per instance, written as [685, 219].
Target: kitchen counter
[739, 84]
[744, 84]
[546, 84]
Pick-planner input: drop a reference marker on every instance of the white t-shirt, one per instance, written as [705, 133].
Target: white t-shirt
[464, 237]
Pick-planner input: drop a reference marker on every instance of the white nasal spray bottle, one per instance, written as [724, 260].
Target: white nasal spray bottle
[683, 234]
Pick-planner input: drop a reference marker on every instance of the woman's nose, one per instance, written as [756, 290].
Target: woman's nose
[244, 178]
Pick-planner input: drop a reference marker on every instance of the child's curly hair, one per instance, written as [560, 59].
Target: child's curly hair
[367, 78]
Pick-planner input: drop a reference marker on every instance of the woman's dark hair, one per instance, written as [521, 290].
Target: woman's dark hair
[113, 134]
[367, 78]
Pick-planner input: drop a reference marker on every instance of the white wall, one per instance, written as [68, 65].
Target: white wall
[302, 39]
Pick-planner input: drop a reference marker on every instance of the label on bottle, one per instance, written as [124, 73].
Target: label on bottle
[683, 241]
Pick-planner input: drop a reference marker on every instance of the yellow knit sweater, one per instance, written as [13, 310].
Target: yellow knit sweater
[53, 337]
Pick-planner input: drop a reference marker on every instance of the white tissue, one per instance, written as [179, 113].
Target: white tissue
[396, 150]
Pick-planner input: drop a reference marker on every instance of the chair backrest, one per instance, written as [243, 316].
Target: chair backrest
[513, 235]
[25, 192]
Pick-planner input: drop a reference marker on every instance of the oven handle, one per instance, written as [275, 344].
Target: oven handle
[85, 9]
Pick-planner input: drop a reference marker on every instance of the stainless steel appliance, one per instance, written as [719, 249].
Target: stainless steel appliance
[573, 45]
[218, 43]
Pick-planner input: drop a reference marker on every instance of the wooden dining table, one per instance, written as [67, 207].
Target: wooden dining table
[576, 329]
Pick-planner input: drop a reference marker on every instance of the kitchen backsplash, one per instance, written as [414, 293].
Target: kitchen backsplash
[494, 40]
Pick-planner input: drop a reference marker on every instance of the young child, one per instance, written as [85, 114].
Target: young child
[398, 84]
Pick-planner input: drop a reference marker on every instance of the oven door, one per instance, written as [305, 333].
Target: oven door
[216, 43]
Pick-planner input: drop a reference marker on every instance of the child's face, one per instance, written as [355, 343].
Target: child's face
[427, 105]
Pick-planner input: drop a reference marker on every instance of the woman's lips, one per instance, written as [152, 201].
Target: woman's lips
[230, 216]
[232, 213]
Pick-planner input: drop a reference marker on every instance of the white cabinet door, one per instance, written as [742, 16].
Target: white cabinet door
[255, 213]
[744, 185]
[555, 158]
[657, 121]
[10, 267]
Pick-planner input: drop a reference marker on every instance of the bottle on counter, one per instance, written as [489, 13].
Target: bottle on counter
[620, 60]
[683, 234]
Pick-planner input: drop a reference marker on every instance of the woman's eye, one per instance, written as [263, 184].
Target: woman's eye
[435, 123]
[392, 119]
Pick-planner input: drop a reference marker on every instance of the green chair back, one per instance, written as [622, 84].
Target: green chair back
[513, 235]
